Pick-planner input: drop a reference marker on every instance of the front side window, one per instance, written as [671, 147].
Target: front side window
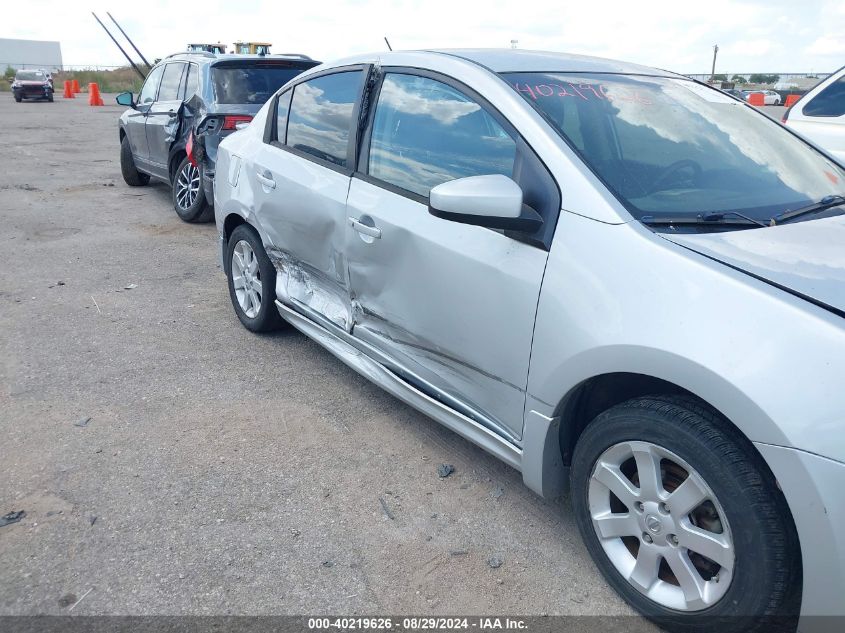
[148, 92]
[829, 102]
[321, 116]
[169, 90]
[668, 146]
[426, 133]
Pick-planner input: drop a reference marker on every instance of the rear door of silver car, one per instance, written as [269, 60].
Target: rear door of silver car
[300, 179]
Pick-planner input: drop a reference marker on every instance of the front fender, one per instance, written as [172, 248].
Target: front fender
[621, 299]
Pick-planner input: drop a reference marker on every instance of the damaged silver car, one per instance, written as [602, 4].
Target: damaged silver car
[625, 284]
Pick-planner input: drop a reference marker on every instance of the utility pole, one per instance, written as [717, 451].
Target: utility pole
[713, 70]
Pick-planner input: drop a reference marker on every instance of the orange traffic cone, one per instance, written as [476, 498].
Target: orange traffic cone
[94, 97]
[75, 86]
[68, 91]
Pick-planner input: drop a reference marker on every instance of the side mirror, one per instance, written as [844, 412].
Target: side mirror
[125, 99]
[493, 201]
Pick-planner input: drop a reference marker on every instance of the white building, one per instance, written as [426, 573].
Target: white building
[30, 54]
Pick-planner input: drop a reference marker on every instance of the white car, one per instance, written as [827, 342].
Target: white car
[820, 115]
[770, 97]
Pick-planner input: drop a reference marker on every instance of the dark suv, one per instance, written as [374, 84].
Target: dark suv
[32, 84]
[187, 105]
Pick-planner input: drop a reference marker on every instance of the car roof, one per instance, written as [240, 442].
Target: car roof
[204, 57]
[501, 60]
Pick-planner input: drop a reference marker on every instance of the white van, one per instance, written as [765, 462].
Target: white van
[820, 115]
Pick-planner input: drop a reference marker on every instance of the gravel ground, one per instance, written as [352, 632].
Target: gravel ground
[220, 472]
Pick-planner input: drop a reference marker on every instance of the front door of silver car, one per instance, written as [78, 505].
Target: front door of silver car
[452, 303]
[300, 179]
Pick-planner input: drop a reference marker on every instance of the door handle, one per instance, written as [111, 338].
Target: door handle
[266, 179]
[364, 229]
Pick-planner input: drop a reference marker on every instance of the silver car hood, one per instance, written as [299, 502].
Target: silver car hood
[806, 258]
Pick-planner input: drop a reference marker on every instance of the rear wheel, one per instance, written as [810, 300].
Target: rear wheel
[188, 194]
[252, 281]
[131, 175]
[684, 520]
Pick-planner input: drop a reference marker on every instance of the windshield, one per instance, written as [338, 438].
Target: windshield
[253, 84]
[30, 75]
[671, 147]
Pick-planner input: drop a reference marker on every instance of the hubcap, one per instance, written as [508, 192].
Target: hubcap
[246, 279]
[187, 186]
[661, 526]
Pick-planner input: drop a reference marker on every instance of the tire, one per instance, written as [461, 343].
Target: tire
[50, 97]
[188, 194]
[18, 98]
[758, 556]
[131, 176]
[244, 250]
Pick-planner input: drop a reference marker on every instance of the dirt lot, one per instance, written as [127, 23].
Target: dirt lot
[220, 472]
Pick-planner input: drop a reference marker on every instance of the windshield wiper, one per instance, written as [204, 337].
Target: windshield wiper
[825, 203]
[732, 218]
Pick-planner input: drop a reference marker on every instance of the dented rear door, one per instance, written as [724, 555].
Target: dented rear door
[300, 181]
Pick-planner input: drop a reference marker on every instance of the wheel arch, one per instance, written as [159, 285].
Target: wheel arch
[177, 154]
[604, 377]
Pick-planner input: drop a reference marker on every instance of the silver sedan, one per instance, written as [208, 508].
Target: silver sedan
[625, 284]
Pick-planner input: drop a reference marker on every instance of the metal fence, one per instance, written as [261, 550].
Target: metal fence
[783, 76]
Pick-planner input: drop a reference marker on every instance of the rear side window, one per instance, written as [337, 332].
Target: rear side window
[282, 110]
[169, 90]
[191, 82]
[148, 92]
[321, 116]
[250, 84]
[426, 133]
[829, 102]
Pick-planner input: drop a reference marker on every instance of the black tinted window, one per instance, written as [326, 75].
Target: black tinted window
[148, 92]
[282, 110]
[251, 84]
[321, 115]
[169, 90]
[426, 133]
[829, 102]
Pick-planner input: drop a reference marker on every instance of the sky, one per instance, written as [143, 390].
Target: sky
[782, 36]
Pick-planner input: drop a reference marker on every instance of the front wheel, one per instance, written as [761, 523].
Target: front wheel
[684, 519]
[188, 194]
[252, 281]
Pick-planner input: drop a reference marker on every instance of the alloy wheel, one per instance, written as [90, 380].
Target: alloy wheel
[661, 526]
[187, 186]
[246, 279]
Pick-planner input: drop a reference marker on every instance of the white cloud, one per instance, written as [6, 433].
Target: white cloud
[827, 45]
[753, 35]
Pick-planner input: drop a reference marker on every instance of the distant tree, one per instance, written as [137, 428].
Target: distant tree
[739, 79]
[10, 73]
[758, 78]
